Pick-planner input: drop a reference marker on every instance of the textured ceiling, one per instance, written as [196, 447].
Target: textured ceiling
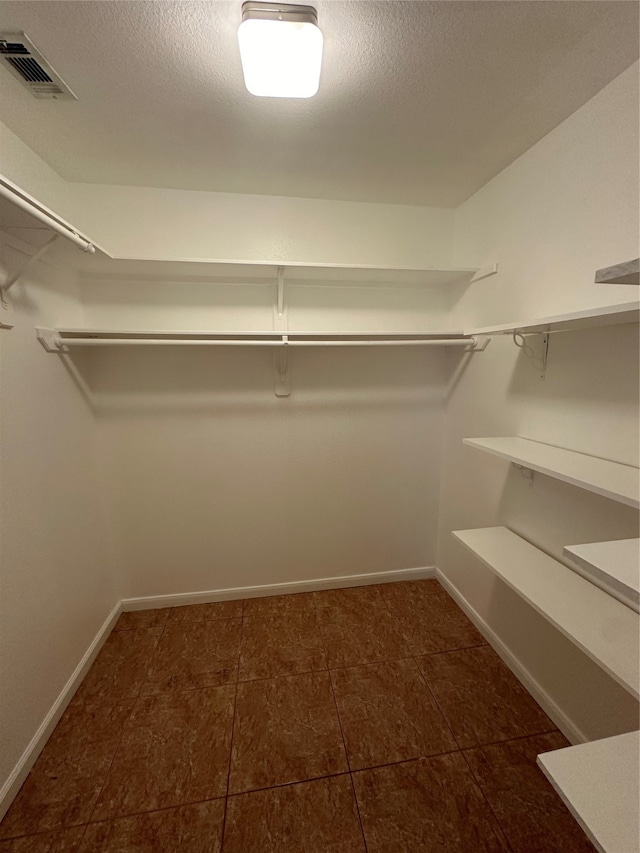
[419, 102]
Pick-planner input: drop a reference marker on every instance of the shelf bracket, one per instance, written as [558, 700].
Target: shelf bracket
[31, 259]
[282, 384]
[527, 473]
[485, 272]
[280, 314]
[538, 361]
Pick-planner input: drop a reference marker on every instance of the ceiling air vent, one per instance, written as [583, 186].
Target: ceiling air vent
[20, 56]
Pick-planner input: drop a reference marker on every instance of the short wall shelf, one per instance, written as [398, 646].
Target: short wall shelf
[610, 479]
[599, 783]
[609, 315]
[613, 566]
[603, 628]
[625, 273]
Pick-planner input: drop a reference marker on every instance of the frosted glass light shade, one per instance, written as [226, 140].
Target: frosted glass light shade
[280, 58]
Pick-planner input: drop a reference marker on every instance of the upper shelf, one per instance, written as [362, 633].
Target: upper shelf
[610, 479]
[608, 315]
[599, 782]
[625, 273]
[614, 566]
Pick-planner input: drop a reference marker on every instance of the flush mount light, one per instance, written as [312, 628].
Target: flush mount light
[280, 49]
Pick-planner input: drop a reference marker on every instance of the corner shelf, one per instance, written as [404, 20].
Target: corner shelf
[603, 628]
[599, 783]
[610, 479]
[613, 566]
[608, 315]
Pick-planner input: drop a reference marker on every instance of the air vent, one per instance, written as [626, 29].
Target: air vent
[19, 55]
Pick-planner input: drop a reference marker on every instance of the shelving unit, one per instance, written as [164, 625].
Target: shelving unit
[609, 315]
[610, 479]
[603, 628]
[624, 273]
[613, 566]
[600, 785]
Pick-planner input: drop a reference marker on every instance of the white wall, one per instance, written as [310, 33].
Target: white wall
[566, 207]
[56, 584]
[215, 483]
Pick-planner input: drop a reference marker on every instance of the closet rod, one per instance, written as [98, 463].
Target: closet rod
[100, 342]
[13, 194]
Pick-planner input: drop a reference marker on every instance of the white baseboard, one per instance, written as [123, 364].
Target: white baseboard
[173, 600]
[573, 734]
[38, 741]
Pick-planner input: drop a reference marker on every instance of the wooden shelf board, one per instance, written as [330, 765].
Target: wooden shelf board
[599, 783]
[603, 628]
[610, 479]
[608, 315]
[614, 566]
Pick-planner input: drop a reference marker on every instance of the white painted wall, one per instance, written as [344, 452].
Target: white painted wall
[566, 207]
[56, 584]
[163, 224]
[215, 483]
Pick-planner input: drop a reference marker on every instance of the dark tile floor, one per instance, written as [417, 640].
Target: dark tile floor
[367, 719]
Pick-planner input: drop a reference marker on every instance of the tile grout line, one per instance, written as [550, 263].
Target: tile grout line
[486, 799]
[124, 725]
[346, 753]
[233, 725]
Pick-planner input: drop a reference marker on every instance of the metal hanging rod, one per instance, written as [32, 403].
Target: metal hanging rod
[59, 340]
[20, 199]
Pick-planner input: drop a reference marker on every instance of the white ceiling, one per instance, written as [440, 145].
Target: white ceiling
[419, 102]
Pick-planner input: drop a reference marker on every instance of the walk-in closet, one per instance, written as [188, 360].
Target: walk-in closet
[319, 426]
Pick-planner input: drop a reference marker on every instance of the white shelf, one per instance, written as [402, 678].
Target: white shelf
[608, 315]
[627, 272]
[613, 566]
[599, 783]
[610, 479]
[603, 628]
[260, 272]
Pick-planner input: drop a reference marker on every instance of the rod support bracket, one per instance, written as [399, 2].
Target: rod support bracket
[50, 340]
[282, 384]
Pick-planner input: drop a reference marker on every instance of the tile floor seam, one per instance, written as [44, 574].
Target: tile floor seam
[233, 725]
[437, 704]
[346, 752]
[281, 675]
[486, 799]
[113, 758]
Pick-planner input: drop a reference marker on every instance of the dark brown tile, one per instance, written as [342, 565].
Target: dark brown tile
[281, 645]
[279, 605]
[388, 714]
[356, 627]
[63, 841]
[314, 817]
[195, 828]
[203, 654]
[530, 812]
[156, 618]
[481, 698]
[121, 666]
[349, 599]
[429, 618]
[65, 782]
[286, 730]
[424, 806]
[205, 612]
[174, 750]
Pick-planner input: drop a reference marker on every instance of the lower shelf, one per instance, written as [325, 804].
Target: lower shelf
[614, 566]
[604, 629]
[599, 783]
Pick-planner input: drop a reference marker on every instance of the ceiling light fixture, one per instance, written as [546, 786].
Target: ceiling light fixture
[280, 49]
